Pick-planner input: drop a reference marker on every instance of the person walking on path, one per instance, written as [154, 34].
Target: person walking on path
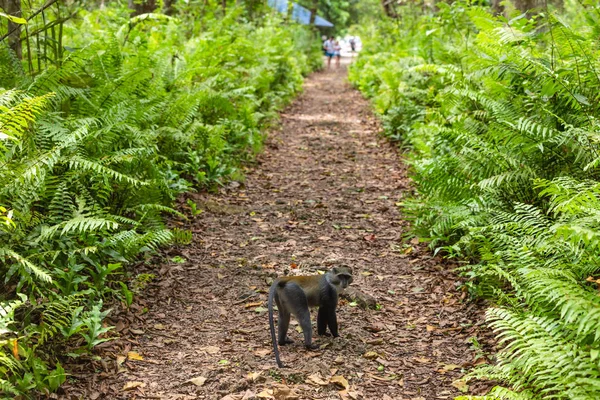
[337, 49]
[329, 47]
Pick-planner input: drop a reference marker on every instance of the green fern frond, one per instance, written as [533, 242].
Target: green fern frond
[80, 225]
[28, 266]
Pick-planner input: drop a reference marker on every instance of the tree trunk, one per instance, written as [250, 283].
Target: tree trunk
[497, 7]
[535, 6]
[141, 7]
[13, 7]
[289, 11]
[224, 5]
[527, 5]
[388, 7]
[313, 13]
[169, 7]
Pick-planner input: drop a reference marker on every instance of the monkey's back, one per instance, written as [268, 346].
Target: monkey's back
[311, 285]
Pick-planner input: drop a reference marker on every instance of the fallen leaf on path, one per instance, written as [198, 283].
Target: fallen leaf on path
[136, 331]
[265, 394]
[198, 381]
[382, 361]
[132, 385]
[346, 394]
[252, 376]
[262, 352]
[448, 367]
[381, 378]
[211, 349]
[316, 379]
[312, 354]
[340, 381]
[430, 328]
[132, 355]
[461, 385]
[422, 360]
[282, 392]
[249, 395]
[371, 355]
[369, 238]
[375, 327]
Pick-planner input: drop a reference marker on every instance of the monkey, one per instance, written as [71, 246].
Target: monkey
[295, 294]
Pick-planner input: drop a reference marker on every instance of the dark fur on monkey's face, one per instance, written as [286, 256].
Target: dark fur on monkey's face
[341, 276]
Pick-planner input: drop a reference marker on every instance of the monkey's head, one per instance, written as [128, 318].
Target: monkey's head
[343, 274]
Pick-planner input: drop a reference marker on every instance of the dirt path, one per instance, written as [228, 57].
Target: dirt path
[323, 192]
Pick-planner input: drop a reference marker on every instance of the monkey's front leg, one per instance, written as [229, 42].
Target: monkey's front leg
[322, 322]
[332, 322]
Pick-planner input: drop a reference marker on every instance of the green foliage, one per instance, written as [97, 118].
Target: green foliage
[95, 146]
[501, 120]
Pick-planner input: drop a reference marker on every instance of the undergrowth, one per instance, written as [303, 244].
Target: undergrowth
[99, 132]
[500, 120]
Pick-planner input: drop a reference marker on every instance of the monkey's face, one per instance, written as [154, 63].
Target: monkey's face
[346, 280]
[344, 274]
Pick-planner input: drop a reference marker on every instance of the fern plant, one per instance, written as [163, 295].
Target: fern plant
[500, 118]
[101, 129]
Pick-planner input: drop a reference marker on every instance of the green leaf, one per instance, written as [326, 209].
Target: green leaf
[16, 20]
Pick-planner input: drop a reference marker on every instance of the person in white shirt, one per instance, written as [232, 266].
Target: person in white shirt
[329, 47]
[337, 49]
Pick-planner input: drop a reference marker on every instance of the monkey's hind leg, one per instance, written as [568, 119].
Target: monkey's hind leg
[283, 324]
[282, 328]
[298, 303]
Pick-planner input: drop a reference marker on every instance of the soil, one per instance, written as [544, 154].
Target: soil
[324, 192]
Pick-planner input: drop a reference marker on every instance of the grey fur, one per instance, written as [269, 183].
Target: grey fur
[292, 299]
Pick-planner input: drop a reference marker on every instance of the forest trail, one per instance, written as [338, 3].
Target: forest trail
[323, 192]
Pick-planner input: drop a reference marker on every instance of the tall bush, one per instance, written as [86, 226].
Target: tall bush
[95, 146]
[500, 117]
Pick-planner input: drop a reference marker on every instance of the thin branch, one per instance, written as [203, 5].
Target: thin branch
[48, 4]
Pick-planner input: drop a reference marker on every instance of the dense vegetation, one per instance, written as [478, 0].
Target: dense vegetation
[103, 124]
[501, 119]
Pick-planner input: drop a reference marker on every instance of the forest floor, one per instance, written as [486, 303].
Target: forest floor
[323, 193]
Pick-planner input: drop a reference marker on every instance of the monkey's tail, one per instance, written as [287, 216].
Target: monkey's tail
[272, 323]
